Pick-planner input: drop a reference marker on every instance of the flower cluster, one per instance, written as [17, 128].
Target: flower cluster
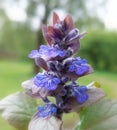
[61, 70]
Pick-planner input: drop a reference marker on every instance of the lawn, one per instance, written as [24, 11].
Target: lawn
[12, 73]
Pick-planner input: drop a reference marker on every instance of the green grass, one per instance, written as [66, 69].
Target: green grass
[107, 80]
[12, 73]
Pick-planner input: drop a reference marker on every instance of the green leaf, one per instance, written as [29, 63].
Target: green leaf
[17, 109]
[102, 115]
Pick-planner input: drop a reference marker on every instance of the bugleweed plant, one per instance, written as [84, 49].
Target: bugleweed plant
[59, 80]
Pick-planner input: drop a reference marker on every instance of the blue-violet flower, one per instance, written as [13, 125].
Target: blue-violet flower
[48, 52]
[48, 81]
[47, 110]
[78, 66]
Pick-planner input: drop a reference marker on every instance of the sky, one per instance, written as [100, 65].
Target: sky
[109, 15]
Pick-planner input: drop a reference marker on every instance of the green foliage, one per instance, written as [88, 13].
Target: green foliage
[17, 39]
[99, 47]
[100, 116]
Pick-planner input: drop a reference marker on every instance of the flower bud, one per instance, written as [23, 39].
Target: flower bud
[72, 35]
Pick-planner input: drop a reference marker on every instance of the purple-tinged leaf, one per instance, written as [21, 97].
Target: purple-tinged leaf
[50, 31]
[68, 23]
[55, 33]
[17, 109]
[55, 18]
[50, 123]
[45, 34]
[58, 34]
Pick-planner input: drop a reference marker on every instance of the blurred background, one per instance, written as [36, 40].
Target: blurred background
[20, 33]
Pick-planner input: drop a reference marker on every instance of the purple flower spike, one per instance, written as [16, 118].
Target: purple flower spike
[47, 110]
[48, 81]
[61, 70]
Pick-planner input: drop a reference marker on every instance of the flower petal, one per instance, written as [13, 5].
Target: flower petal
[77, 67]
[34, 54]
[50, 82]
[46, 53]
[81, 94]
[48, 110]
